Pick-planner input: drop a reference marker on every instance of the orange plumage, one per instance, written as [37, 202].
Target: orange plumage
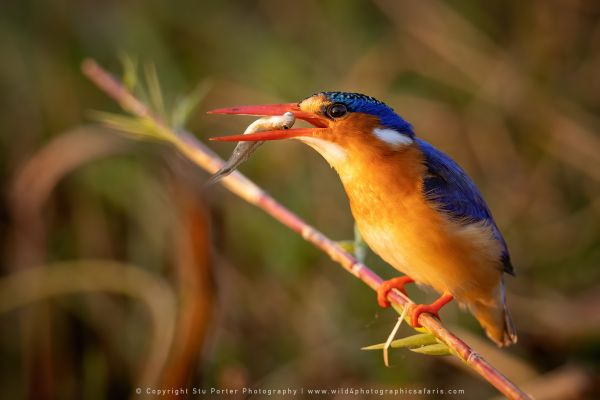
[397, 221]
[443, 237]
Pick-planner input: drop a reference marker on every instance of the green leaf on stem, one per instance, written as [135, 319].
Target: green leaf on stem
[438, 349]
[410, 342]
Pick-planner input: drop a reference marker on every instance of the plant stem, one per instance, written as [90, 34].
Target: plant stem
[246, 189]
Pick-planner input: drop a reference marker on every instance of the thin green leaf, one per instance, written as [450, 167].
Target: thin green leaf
[414, 341]
[347, 245]
[438, 349]
[154, 90]
[140, 128]
[360, 246]
[130, 67]
[184, 106]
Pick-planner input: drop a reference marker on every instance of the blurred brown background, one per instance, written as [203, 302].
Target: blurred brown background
[131, 273]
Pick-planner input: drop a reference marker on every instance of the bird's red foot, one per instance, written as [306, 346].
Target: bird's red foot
[395, 283]
[432, 308]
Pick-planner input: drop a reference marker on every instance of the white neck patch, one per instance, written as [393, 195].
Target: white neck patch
[332, 152]
[392, 137]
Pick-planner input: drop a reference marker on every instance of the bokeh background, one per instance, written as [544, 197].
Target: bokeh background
[116, 242]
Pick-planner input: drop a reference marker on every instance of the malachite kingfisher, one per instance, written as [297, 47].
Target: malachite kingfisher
[414, 206]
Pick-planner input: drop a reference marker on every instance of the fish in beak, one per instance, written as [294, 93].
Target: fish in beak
[243, 150]
[271, 110]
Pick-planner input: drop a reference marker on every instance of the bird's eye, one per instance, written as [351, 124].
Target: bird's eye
[336, 110]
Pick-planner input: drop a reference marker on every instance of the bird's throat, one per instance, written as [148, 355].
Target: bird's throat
[332, 152]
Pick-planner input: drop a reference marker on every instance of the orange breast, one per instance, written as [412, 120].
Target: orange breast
[408, 232]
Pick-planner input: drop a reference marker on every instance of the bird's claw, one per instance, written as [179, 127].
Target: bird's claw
[387, 286]
[419, 309]
[433, 309]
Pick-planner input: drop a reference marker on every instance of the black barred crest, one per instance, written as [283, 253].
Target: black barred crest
[343, 97]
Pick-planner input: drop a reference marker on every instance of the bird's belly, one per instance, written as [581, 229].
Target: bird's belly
[407, 231]
[402, 250]
[422, 243]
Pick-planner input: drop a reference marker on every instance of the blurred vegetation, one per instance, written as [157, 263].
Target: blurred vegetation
[510, 90]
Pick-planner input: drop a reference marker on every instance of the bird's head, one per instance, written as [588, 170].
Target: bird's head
[344, 124]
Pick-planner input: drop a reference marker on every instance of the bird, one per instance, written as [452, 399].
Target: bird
[414, 206]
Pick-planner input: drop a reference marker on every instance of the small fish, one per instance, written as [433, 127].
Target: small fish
[244, 150]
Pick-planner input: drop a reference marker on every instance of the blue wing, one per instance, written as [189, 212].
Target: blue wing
[457, 195]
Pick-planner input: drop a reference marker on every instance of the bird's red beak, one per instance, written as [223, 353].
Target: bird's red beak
[270, 110]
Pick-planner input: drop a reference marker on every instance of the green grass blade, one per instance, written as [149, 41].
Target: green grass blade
[130, 67]
[185, 105]
[139, 128]
[438, 349]
[154, 90]
[410, 342]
